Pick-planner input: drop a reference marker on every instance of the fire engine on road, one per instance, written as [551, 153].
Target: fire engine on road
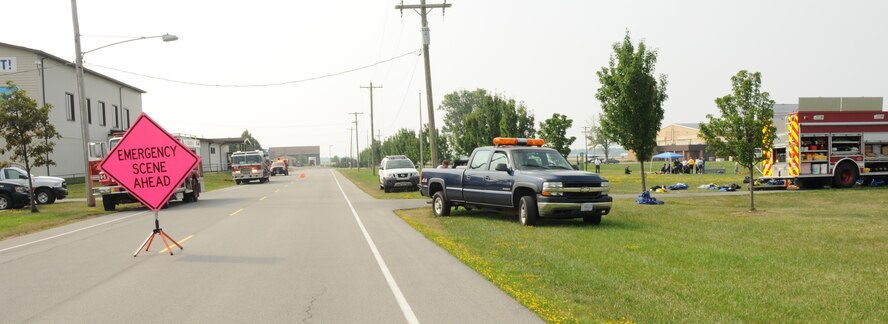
[831, 141]
[113, 194]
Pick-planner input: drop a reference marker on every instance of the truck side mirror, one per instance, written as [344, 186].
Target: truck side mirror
[502, 167]
[22, 176]
[576, 167]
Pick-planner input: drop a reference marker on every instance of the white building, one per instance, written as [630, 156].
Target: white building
[112, 105]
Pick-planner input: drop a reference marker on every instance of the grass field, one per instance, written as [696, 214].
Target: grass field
[622, 183]
[806, 256]
[22, 221]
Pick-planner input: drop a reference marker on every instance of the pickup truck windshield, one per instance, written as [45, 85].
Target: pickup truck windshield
[539, 160]
[246, 159]
[398, 164]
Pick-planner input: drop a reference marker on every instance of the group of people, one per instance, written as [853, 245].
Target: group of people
[684, 166]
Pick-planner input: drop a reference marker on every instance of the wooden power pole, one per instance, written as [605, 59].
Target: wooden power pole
[357, 146]
[372, 161]
[423, 10]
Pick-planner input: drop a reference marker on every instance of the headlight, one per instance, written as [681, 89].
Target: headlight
[551, 188]
[21, 189]
[255, 170]
[605, 184]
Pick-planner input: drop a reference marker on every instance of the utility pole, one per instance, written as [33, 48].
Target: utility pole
[422, 6]
[372, 141]
[357, 146]
[420, 131]
[351, 147]
[586, 140]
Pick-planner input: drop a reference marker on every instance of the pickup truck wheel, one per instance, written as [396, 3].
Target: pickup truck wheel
[237, 181]
[440, 205]
[387, 189]
[5, 201]
[527, 211]
[595, 219]
[109, 203]
[44, 196]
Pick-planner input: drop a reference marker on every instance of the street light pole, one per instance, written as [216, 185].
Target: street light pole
[81, 92]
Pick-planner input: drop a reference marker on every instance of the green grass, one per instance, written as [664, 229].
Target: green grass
[369, 183]
[622, 183]
[809, 256]
[16, 222]
[22, 221]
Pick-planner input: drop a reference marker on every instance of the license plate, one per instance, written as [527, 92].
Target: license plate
[587, 207]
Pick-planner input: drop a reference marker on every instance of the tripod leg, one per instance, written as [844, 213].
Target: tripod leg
[165, 242]
[150, 240]
[171, 239]
[143, 244]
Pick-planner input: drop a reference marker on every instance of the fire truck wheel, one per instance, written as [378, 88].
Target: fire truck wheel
[845, 175]
[108, 202]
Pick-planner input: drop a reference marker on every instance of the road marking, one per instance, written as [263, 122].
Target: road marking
[276, 190]
[263, 198]
[179, 241]
[71, 232]
[399, 296]
[235, 213]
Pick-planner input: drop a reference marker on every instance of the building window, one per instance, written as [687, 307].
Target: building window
[102, 118]
[117, 117]
[69, 106]
[102, 111]
[212, 150]
[89, 112]
[126, 114]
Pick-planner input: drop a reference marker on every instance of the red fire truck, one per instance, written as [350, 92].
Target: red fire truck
[831, 141]
[113, 194]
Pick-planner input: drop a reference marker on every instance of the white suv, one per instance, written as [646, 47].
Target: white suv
[396, 171]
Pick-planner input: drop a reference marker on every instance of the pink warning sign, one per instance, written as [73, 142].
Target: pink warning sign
[149, 162]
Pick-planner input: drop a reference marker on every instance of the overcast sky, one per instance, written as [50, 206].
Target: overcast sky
[544, 53]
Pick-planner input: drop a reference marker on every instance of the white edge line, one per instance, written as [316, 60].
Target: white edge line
[71, 232]
[399, 296]
[235, 212]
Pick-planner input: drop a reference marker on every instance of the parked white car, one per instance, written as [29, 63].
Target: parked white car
[397, 171]
[46, 189]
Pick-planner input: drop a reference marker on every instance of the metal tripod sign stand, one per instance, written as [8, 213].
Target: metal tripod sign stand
[163, 236]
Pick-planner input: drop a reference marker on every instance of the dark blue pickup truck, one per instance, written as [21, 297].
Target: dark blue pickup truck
[536, 181]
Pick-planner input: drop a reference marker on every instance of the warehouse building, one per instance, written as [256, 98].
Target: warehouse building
[304, 155]
[112, 105]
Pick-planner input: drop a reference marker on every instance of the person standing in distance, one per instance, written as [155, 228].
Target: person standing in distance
[597, 165]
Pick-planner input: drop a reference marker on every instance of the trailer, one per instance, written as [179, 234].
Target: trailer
[830, 141]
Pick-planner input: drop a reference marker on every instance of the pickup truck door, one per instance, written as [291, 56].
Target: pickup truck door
[498, 184]
[473, 177]
[14, 175]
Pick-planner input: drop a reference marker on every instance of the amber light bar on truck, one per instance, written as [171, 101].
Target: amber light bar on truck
[518, 141]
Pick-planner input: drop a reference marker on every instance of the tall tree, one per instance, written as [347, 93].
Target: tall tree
[632, 99]
[554, 132]
[745, 113]
[24, 126]
[473, 119]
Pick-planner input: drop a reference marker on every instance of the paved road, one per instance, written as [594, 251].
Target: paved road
[313, 249]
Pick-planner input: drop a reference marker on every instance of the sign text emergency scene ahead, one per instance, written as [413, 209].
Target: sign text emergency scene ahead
[149, 162]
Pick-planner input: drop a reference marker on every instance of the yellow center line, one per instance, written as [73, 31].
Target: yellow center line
[263, 198]
[237, 211]
[180, 242]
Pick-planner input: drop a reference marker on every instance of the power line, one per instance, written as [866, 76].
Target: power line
[416, 52]
[406, 92]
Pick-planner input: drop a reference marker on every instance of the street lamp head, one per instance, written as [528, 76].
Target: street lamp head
[169, 38]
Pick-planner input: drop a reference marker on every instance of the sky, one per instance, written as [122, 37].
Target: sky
[544, 53]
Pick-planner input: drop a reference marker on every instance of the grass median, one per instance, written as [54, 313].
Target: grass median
[369, 183]
[810, 256]
[21, 221]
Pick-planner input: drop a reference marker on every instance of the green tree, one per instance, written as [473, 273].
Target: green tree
[632, 99]
[738, 132]
[250, 143]
[554, 132]
[24, 126]
[600, 137]
[473, 119]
